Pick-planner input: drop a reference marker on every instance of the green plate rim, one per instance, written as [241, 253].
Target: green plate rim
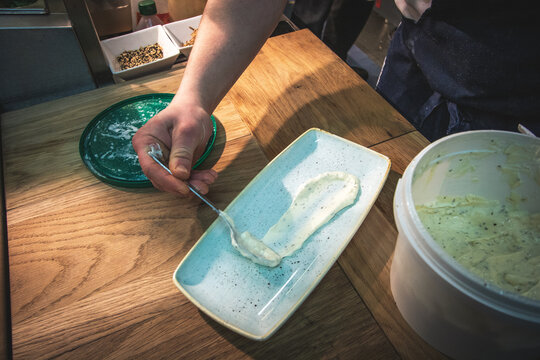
[135, 183]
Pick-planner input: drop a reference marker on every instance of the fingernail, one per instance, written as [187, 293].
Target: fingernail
[181, 173]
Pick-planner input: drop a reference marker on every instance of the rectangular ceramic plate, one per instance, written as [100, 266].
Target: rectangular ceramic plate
[254, 300]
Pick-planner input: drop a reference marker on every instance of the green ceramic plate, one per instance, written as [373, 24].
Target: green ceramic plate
[105, 144]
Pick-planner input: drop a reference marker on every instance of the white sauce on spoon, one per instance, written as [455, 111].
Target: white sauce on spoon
[255, 250]
[316, 202]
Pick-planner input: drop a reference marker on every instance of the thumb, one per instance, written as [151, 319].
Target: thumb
[183, 147]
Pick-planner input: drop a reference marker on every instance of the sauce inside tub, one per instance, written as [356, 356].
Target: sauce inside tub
[497, 242]
[496, 239]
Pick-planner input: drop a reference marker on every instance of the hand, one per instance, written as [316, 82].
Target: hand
[182, 132]
[413, 9]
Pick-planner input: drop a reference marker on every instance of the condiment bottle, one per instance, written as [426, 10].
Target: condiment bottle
[183, 9]
[149, 17]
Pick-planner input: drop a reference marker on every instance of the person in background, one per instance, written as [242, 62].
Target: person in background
[458, 65]
[336, 22]
[452, 65]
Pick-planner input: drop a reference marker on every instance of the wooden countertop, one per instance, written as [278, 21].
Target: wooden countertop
[91, 265]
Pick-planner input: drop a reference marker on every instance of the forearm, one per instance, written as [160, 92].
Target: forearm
[230, 35]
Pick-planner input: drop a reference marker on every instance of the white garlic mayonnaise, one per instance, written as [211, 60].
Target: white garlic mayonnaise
[317, 201]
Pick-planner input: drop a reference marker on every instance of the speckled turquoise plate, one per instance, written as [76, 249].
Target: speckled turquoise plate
[254, 300]
[105, 145]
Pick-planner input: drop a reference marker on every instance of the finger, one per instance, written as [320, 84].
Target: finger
[142, 142]
[164, 181]
[184, 142]
[156, 186]
[202, 179]
[206, 176]
[145, 161]
[159, 177]
[200, 186]
[153, 171]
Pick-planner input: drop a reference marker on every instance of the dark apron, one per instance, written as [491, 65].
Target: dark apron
[465, 67]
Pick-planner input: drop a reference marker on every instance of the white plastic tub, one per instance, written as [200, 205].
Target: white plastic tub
[455, 311]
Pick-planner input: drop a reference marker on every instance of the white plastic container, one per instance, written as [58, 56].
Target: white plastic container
[452, 309]
[115, 46]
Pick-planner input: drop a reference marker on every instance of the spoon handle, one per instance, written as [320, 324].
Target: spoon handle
[203, 198]
[200, 196]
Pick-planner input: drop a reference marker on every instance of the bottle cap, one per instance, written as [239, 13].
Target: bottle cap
[147, 7]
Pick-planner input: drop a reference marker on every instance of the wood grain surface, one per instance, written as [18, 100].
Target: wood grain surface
[296, 83]
[91, 264]
[5, 322]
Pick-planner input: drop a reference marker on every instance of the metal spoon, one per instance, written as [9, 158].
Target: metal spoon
[222, 215]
